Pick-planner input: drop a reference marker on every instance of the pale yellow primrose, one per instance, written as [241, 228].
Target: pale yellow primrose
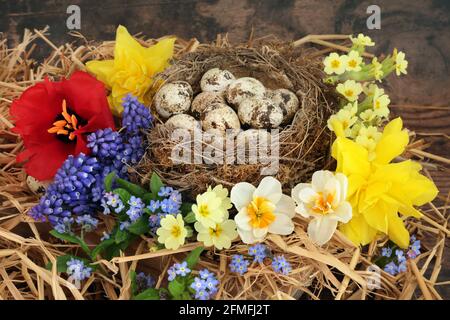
[350, 89]
[172, 232]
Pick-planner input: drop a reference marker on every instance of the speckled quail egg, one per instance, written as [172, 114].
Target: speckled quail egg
[287, 101]
[203, 102]
[216, 80]
[183, 121]
[244, 88]
[221, 119]
[173, 98]
[260, 113]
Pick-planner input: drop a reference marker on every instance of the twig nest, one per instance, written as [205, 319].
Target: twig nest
[260, 113]
[204, 101]
[216, 80]
[183, 121]
[173, 98]
[287, 101]
[244, 88]
[221, 119]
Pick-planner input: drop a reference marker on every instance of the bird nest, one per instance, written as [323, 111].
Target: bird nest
[301, 147]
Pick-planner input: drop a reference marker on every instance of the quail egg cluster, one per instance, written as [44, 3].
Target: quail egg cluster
[225, 103]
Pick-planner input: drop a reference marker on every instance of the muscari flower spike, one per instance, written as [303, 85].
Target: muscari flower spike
[136, 116]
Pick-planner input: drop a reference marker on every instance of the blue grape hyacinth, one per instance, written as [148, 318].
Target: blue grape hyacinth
[136, 116]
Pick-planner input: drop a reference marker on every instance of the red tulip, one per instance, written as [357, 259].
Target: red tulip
[54, 119]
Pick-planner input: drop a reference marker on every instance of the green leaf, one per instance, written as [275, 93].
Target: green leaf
[133, 282]
[190, 217]
[189, 230]
[176, 288]
[148, 197]
[155, 183]
[72, 239]
[186, 208]
[186, 296]
[140, 226]
[123, 194]
[109, 181]
[193, 257]
[132, 188]
[102, 246]
[121, 236]
[148, 294]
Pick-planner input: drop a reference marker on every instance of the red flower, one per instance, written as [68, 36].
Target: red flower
[54, 118]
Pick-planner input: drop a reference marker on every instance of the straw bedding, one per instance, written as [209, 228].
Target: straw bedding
[335, 271]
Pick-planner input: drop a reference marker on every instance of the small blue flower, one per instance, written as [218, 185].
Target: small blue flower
[153, 206]
[400, 256]
[258, 252]
[136, 202]
[280, 265]
[175, 197]
[402, 267]
[77, 270]
[124, 225]
[205, 274]
[165, 191]
[134, 213]
[168, 206]
[239, 264]
[144, 281]
[211, 284]
[172, 273]
[198, 284]
[386, 252]
[414, 248]
[87, 222]
[182, 269]
[201, 295]
[391, 268]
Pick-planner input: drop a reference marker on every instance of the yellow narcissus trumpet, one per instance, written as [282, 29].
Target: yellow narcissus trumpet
[378, 189]
[132, 69]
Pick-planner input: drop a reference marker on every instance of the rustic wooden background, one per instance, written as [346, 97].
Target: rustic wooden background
[420, 28]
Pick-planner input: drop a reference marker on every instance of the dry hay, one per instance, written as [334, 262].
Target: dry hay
[303, 144]
[336, 271]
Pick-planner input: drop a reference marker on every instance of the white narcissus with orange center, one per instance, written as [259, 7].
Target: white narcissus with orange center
[262, 210]
[324, 200]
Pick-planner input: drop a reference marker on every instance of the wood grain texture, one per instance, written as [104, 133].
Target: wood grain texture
[420, 28]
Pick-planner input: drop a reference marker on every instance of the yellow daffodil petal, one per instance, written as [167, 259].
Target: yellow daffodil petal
[102, 69]
[392, 142]
[358, 231]
[351, 157]
[397, 231]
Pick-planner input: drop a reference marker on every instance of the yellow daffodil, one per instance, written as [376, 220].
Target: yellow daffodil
[350, 89]
[335, 63]
[344, 119]
[362, 40]
[400, 63]
[354, 61]
[262, 210]
[132, 69]
[379, 190]
[212, 206]
[172, 232]
[377, 69]
[219, 236]
[323, 200]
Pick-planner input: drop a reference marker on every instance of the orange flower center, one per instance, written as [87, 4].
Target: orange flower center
[260, 211]
[322, 204]
[66, 124]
